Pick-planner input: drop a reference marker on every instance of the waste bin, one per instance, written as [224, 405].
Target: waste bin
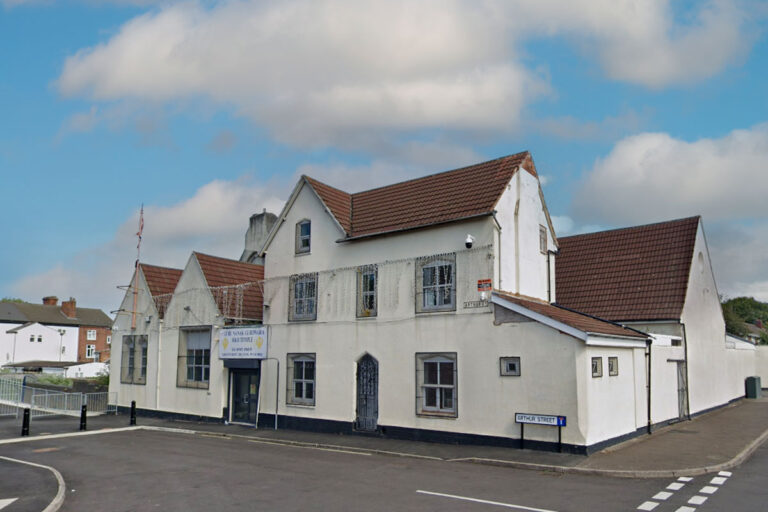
[753, 387]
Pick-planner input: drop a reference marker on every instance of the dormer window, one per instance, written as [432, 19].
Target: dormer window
[303, 236]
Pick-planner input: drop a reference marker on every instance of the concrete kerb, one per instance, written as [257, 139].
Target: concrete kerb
[618, 473]
[58, 500]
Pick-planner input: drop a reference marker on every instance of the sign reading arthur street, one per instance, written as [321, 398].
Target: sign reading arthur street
[243, 343]
[540, 419]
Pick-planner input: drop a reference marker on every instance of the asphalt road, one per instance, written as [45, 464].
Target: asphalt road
[145, 470]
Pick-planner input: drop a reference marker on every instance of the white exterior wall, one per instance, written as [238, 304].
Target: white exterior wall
[191, 291]
[714, 377]
[761, 364]
[520, 212]
[86, 370]
[145, 395]
[16, 347]
[610, 406]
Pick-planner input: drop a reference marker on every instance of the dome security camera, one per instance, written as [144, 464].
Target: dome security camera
[468, 242]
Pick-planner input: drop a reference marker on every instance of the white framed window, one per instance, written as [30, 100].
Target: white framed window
[133, 359]
[39, 338]
[303, 297]
[90, 351]
[597, 367]
[194, 366]
[303, 236]
[436, 283]
[301, 379]
[31, 338]
[109, 340]
[509, 366]
[542, 239]
[613, 366]
[90, 335]
[437, 390]
[367, 282]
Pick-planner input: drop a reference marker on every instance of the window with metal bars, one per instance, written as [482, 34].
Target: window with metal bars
[303, 297]
[367, 283]
[436, 283]
[134, 349]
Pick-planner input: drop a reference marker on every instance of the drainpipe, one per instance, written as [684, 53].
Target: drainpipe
[549, 274]
[157, 366]
[687, 380]
[648, 343]
[498, 245]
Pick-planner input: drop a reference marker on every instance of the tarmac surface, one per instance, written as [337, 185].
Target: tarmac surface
[712, 442]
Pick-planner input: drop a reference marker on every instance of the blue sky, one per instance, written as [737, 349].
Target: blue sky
[206, 112]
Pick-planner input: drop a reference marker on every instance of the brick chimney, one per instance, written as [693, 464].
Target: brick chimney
[69, 307]
[759, 323]
[50, 300]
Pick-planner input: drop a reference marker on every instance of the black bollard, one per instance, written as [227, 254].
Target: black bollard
[133, 412]
[83, 414]
[25, 423]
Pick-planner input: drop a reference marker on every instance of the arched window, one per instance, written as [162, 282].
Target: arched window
[303, 236]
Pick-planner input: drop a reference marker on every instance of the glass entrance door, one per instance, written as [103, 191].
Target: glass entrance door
[245, 396]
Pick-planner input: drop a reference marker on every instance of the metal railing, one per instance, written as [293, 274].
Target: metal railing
[15, 396]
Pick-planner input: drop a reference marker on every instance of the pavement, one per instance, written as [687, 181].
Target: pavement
[716, 441]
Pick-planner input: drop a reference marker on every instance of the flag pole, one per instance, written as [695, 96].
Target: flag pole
[136, 269]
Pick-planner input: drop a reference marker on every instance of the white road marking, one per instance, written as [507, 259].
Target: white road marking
[663, 495]
[675, 486]
[708, 490]
[648, 505]
[58, 500]
[718, 480]
[685, 509]
[486, 502]
[697, 500]
[725, 473]
[684, 479]
[309, 447]
[5, 503]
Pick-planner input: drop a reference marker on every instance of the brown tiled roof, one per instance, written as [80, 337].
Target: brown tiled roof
[161, 280]
[574, 319]
[220, 272]
[438, 198]
[630, 274]
[48, 314]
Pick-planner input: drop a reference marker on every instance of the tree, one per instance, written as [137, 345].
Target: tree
[11, 299]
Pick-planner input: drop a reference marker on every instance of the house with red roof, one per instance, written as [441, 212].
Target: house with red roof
[658, 279]
[427, 310]
[169, 341]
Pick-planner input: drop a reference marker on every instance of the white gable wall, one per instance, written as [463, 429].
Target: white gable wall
[145, 395]
[192, 292]
[716, 375]
[520, 212]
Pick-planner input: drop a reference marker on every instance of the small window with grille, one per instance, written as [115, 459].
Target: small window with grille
[510, 366]
[543, 239]
[613, 366]
[597, 366]
[302, 297]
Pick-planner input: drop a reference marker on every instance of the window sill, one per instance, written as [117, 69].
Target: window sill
[306, 253]
[440, 310]
[439, 415]
[301, 320]
[304, 406]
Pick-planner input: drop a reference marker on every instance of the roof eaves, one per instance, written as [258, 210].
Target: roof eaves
[412, 228]
[551, 322]
[325, 206]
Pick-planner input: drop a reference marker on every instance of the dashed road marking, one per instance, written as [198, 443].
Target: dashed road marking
[718, 480]
[675, 486]
[6, 502]
[648, 505]
[663, 495]
[684, 479]
[708, 490]
[697, 500]
[725, 473]
[685, 509]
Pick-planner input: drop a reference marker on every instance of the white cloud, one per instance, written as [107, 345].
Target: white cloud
[653, 175]
[320, 72]
[739, 258]
[213, 221]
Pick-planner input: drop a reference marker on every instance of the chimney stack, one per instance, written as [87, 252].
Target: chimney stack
[51, 300]
[759, 323]
[69, 307]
